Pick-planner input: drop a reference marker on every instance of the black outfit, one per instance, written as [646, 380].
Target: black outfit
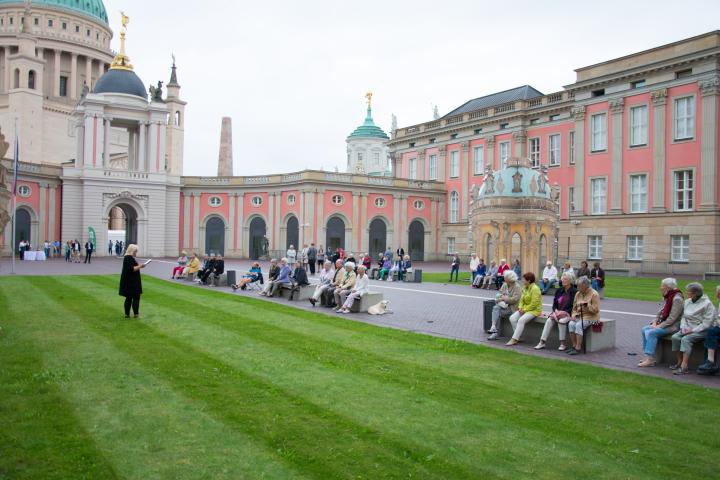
[273, 273]
[600, 274]
[299, 278]
[89, 249]
[130, 285]
[218, 268]
[312, 258]
[402, 268]
[583, 272]
[400, 252]
[206, 270]
[558, 294]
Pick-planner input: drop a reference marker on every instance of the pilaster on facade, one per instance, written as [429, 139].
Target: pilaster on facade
[709, 91]
[465, 176]
[239, 227]
[659, 101]
[490, 151]
[186, 244]
[578, 114]
[520, 143]
[617, 107]
[73, 76]
[421, 164]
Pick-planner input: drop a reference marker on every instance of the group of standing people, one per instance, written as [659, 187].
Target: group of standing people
[117, 246]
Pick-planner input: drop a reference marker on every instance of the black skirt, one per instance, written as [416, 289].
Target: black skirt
[130, 282]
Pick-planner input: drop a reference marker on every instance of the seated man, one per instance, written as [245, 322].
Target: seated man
[252, 276]
[327, 275]
[217, 270]
[346, 284]
[403, 266]
[282, 280]
[549, 277]
[272, 276]
[698, 316]
[506, 303]
[206, 270]
[328, 292]
[298, 278]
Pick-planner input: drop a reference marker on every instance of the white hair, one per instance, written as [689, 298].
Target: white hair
[510, 276]
[669, 282]
[569, 276]
[583, 281]
[350, 264]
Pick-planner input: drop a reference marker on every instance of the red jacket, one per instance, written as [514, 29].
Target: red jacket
[502, 269]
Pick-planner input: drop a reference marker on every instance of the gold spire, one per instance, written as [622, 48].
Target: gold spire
[122, 61]
[369, 95]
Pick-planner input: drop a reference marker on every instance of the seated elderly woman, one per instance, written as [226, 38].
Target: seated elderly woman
[506, 302]
[529, 307]
[666, 322]
[712, 336]
[327, 274]
[585, 313]
[698, 316]
[386, 267]
[362, 285]
[181, 264]
[191, 267]
[253, 275]
[561, 309]
[490, 275]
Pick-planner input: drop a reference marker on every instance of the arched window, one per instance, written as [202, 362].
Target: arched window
[177, 118]
[31, 79]
[454, 207]
[16, 80]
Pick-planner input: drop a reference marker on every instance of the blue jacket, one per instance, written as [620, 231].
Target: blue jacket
[284, 275]
[481, 270]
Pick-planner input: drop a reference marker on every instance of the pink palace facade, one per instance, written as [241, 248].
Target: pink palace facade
[632, 144]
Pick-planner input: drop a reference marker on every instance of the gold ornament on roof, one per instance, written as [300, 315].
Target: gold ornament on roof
[369, 95]
[121, 60]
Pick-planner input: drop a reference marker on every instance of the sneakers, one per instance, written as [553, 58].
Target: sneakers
[493, 336]
[312, 300]
[540, 345]
[708, 368]
[562, 348]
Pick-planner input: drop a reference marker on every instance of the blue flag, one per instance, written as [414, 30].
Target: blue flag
[16, 164]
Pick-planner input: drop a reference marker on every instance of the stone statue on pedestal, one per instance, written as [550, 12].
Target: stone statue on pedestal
[4, 188]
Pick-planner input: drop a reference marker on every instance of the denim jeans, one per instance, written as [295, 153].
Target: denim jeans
[456, 269]
[711, 338]
[547, 286]
[650, 337]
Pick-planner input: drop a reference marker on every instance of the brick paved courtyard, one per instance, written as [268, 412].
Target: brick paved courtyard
[451, 311]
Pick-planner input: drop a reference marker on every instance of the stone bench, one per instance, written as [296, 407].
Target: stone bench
[711, 276]
[304, 293]
[366, 301]
[190, 277]
[220, 281]
[594, 341]
[664, 354]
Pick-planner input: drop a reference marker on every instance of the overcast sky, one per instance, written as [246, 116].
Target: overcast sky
[293, 75]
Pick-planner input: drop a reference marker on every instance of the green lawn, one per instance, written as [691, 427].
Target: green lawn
[210, 385]
[633, 288]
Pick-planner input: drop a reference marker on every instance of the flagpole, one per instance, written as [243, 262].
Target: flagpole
[14, 208]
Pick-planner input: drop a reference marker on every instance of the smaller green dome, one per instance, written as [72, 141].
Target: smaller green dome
[91, 8]
[369, 129]
[517, 179]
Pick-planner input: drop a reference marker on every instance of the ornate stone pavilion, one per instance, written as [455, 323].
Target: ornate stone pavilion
[514, 215]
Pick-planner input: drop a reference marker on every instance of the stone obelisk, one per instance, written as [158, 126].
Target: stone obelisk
[225, 160]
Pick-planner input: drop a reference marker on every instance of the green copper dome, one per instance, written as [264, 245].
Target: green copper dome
[369, 129]
[91, 8]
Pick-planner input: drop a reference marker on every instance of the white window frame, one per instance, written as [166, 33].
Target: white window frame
[683, 198]
[412, 169]
[534, 151]
[337, 199]
[684, 120]
[256, 201]
[454, 164]
[554, 152]
[595, 247]
[638, 125]
[432, 167]
[571, 147]
[598, 132]
[291, 199]
[454, 207]
[635, 246]
[478, 160]
[571, 200]
[598, 200]
[680, 248]
[380, 202]
[638, 183]
[504, 153]
[213, 203]
[24, 191]
[376, 159]
[450, 245]
[418, 204]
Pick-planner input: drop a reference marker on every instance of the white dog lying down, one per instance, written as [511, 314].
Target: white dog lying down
[380, 308]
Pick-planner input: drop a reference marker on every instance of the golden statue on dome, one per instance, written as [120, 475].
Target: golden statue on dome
[121, 60]
[369, 95]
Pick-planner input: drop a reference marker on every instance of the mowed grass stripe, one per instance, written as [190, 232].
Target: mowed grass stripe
[144, 428]
[391, 406]
[298, 430]
[556, 413]
[34, 415]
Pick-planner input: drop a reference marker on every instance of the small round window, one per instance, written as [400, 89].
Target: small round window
[215, 201]
[380, 202]
[291, 199]
[256, 201]
[24, 191]
[338, 199]
[418, 204]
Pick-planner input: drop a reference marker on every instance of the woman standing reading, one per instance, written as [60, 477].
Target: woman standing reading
[130, 283]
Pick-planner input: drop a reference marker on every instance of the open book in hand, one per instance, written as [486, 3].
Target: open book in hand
[148, 261]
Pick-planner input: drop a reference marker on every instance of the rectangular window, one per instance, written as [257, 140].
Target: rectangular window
[554, 149]
[50, 23]
[454, 164]
[680, 248]
[478, 160]
[376, 159]
[554, 117]
[684, 118]
[595, 247]
[36, 21]
[64, 25]
[504, 153]
[534, 150]
[598, 194]
[571, 147]
[684, 186]
[598, 132]
[683, 73]
[637, 84]
[503, 126]
[638, 193]
[638, 125]
[571, 198]
[412, 169]
[432, 167]
[451, 245]
[634, 247]
[63, 86]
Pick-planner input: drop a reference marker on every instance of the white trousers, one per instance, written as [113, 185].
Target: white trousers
[549, 324]
[518, 322]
